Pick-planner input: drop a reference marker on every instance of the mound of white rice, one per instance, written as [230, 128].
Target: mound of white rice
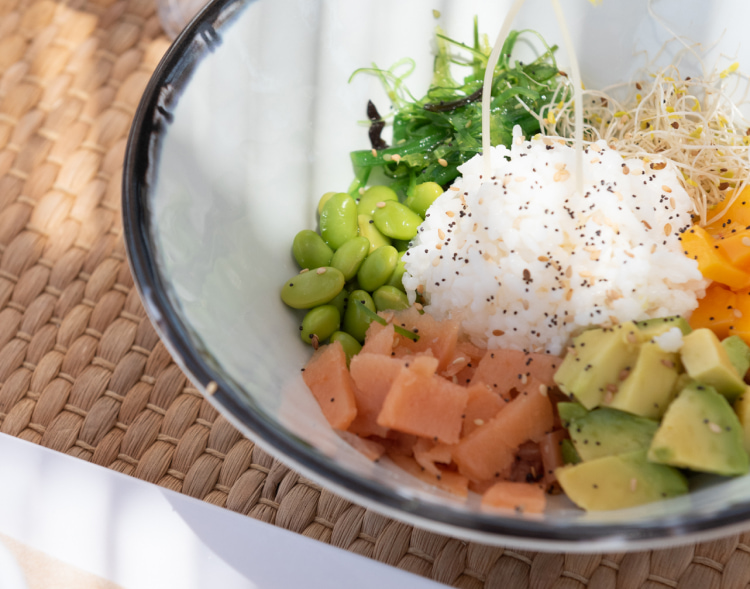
[524, 262]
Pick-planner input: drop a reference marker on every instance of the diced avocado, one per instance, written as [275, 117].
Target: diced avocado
[707, 362]
[650, 385]
[570, 411]
[595, 361]
[700, 431]
[742, 409]
[738, 352]
[652, 327]
[604, 431]
[568, 451]
[620, 481]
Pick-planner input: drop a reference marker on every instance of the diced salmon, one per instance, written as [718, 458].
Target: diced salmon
[449, 481]
[378, 339]
[520, 497]
[438, 336]
[490, 449]
[373, 375]
[368, 448]
[424, 404]
[481, 406]
[427, 453]
[331, 384]
[504, 370]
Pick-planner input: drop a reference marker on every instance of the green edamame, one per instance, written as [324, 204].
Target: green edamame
[319, 324]
[377, 268]
[423, 196]
[340, 300]
[349, 257]
[397, 221]
[351, 346]
[323, 200]
[311, 288]
[338, 220]
[366, 227]
[368, 202]
[401, 245]
[390, 297]
[397, 278]
[356, 321]
[310, 251]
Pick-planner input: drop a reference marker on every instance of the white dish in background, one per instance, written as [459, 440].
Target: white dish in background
[246, 122]
[141, 536]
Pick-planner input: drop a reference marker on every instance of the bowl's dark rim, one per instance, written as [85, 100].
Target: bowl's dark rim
[151, 118]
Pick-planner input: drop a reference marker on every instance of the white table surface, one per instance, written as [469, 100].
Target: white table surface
[100, 523]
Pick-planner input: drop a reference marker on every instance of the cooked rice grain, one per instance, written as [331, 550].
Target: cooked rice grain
[525, 263]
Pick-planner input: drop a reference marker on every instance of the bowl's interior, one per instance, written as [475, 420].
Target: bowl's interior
[246, 142]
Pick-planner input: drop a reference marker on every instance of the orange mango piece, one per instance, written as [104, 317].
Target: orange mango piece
[741, 322]
[736, 218]
[716, 311]
[736, 248]
[713, 263]
[328, 378]
[520, 497]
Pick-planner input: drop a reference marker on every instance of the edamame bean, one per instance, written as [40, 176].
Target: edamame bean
[323, 200]
[400, 245]
[397, 278]
[397, 221]
[340, 300]
[377, 268]
[310, 251]
[351, 346]
[368, 202]
[390, 297]
[349, 257]
[319, 324]
[423, 196]
[367, 229]
[338, 220]
[355, 320]
[311, 288]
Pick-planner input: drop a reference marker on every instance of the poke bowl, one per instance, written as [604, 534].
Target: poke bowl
[251, 117]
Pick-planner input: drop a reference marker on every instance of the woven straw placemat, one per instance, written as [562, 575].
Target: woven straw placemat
[84, 373]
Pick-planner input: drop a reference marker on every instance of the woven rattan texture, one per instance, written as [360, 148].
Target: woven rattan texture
[83, 371]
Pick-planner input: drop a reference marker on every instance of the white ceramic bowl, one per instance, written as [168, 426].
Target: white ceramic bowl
[247, 121]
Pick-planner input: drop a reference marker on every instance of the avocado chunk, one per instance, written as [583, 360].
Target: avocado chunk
[604, 431]
[620, 481]
[706, 361]
[650, 386]
[742, 409]
[700, 431]
[738, 352]
[568, 451]
[595, 361]
[653, 327]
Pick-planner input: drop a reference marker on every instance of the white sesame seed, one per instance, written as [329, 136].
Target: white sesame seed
[443, 163]
[320, 270]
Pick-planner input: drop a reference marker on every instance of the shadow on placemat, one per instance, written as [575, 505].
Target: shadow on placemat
[83, 371]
